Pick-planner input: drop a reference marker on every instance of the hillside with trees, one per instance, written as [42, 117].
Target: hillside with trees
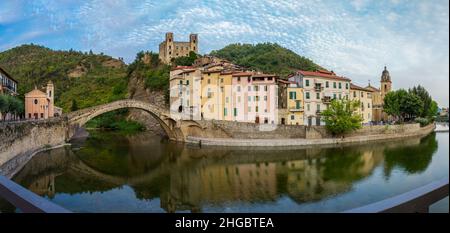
[85, 79]
[266, 57]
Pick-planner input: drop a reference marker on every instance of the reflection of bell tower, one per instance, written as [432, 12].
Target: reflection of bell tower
[386, 84]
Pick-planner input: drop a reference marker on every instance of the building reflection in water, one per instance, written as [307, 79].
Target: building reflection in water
[189, 178]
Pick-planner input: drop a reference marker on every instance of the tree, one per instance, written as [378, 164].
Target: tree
[11, 105]
[3, 105]
[341, 117]
[403, 105]
[392, 103]
[74, 106]
[411, 106]
[423, 95]
[186, 60]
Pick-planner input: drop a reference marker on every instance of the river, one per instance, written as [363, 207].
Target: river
[111, 172]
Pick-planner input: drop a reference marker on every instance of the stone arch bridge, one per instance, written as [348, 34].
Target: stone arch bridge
[176, 129]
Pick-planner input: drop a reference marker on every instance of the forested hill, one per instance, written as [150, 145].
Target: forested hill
[266, 57]
[87, 78]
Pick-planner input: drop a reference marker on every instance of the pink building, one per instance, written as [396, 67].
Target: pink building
[39, 104]
[255, 98]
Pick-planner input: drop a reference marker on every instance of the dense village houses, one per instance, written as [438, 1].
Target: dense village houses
[319, 88]
[40, 104]
[170, 49]
[364, 97]
[8, 86]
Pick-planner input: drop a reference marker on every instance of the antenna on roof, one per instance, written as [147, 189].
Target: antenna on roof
[369, 82]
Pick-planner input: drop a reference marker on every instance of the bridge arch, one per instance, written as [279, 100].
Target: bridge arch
[79, 118]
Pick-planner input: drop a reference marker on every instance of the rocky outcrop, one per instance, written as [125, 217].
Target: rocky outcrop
[137, 91]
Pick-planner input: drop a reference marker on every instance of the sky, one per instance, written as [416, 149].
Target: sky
[354, 38]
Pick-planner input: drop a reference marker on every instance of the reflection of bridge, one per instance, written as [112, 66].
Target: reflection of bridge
[175, 129]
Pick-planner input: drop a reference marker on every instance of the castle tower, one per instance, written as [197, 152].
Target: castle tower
[386, 84]
[50, 96]
[193, 41]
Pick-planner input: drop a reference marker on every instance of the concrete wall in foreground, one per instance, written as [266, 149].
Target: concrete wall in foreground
[18, 141]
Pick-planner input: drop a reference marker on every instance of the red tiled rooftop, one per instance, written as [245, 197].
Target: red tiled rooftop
[323, 74]
[356, 87]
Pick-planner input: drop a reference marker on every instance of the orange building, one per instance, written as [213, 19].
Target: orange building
[39, 104]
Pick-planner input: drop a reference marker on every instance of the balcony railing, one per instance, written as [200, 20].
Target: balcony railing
[296, 109]
[318, 88]
[415, 201]
[326, 99]
[318, 112]
[25, 200]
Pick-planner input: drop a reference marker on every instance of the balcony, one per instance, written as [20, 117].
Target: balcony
[326, 99]
[318, 112]
[296, 109]
[318, 88]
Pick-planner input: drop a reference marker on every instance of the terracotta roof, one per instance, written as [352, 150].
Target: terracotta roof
[188, 71]
[211, 71]
[264, 75]
[355, 87]
[286, 81]
[7, 74]
[323, 74]
[374, 89]
[183, 67]
[239, 74]
[36, 92]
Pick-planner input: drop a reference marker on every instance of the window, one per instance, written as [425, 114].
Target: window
[226, 99]
[308, 107]
[50, 93]
[265, 88]
[235, 111]
[354, 94]
[318, 107]
[318, 95]
[292, 95]
[221, 80]
[187, 82]
[256, 109]
[340, 85]
[257, 98]
[346, 85]
[297, 104]
[249, 99]
[239, 88]
[42, 115]
[368, 105]
[255, 88]
[181, 82]
[307, 95]
[334, 84]
[327, 85]
[225, 112]
[340, 96]
[265, 98]
[239, 79]
[209, 81]
[307, 82]
[292, 117]
[249, 88]
[35, 101]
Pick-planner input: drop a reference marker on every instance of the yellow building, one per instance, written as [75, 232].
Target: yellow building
[225, 93]
[378, 97]
[364, 96]
[210, 101]
[295, 104]
[185, 87]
